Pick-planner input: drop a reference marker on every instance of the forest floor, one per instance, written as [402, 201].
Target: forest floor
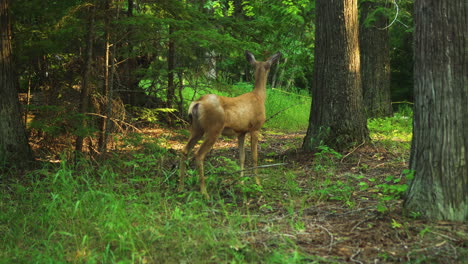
[123, 206]
[355, 212]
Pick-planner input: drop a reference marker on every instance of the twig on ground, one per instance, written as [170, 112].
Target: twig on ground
[354, 255]
[331, 237]
[360, 222]
[351, 152]
[442, 235]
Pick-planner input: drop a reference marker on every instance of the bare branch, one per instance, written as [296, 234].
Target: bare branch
[396, 16]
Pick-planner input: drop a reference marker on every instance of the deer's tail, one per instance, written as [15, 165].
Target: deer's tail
[193, 111]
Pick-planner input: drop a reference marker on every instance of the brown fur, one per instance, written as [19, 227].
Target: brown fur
[213, 115]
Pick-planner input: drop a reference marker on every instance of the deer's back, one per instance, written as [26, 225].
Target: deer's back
[234, 115]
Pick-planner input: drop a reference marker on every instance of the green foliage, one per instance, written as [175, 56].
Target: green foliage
[325, 159]
[49, 37]
[287, 111]
[401, 52]
[390, 131]
[149, 115]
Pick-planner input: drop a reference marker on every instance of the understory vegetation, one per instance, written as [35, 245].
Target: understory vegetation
[323, 207]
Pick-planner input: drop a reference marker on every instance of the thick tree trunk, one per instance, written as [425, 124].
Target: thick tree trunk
[85, 87]
[439, 151]
[337, 117]
[14, 147]
[375, 61]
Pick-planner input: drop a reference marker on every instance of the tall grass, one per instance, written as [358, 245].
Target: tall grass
[126, 211]
[393, 132]
[87, 215]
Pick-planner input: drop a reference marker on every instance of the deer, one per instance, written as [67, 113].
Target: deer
[213, 115]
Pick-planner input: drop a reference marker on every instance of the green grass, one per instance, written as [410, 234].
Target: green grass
[102, 215]
[393, 132]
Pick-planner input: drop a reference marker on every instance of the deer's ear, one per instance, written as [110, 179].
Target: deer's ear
[250, 57]
[274, 58]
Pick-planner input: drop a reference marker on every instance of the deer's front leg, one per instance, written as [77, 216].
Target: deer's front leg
[254, 145]
[241, 140]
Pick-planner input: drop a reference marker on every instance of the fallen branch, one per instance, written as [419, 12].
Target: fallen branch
[351, 152]
[442, 235]
[363, 221]
[354, 255]
[331, 237]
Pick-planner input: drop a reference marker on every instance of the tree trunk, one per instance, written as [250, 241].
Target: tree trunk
[375, 61]
[439, 149]
[85, 87]
[337, 117]
[170, 69]
[14, 147]
[102, 142]
[128, 74]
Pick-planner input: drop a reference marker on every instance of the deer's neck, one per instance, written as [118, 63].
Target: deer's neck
[260, 84]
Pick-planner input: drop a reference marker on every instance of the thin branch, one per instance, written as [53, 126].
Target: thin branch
[116, 121]
[442, 235]
[351, 152]
[402, 102]
[281, 111]
[331, 237]
[399, 21]
[396, 16]
[354, 255]
[178, 118]
[360, 222]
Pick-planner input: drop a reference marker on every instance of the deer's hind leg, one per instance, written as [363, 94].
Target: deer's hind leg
[210, 139]
[195, 136]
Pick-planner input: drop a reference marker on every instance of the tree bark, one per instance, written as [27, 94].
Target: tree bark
[440, 143]
[85, 87]
[375, 61]
[14, 147]
[337, 118]
[103, 122]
